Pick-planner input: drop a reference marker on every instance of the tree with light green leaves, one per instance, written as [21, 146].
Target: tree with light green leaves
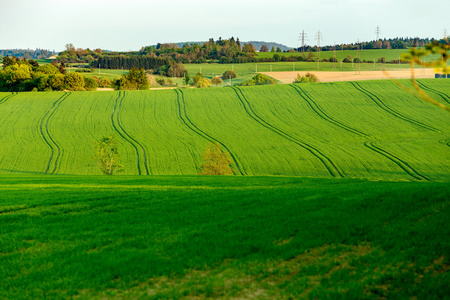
[216, 161]
[107, 155]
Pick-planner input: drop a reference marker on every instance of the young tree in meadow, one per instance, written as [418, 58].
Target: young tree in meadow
[216, 162]
[104, 82]
[107, 155]
[187, 78]
[196, 78]
[203, 82]
[217, 80]
[90, 84]
[74, 81]
[230, 74]
[136, 79]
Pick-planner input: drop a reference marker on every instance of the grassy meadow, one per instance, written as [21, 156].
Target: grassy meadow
[169, 237]
[368, 55]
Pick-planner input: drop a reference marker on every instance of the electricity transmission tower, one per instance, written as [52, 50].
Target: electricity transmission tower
[445, 33]
[318, 38]
[303, 37]
[378, 32]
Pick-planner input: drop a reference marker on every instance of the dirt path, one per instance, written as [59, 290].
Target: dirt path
[289, 77]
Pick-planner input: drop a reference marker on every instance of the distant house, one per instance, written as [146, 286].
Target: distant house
[53, 57]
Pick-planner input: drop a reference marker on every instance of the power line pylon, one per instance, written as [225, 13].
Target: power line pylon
[303, 37]
[378, 32]
[318, 38]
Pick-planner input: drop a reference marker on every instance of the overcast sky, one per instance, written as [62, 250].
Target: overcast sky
[131, 24]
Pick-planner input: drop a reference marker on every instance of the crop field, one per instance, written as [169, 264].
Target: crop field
[247, 70]
[203, 237]
[371, 130]
[371, 54]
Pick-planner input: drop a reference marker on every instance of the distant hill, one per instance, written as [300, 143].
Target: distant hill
[269, 45]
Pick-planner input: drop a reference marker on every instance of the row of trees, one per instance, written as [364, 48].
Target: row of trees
[119, 62]
[27, 53]
[21, 75]
[392, 43]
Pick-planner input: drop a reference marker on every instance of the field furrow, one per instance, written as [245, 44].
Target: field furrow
[5, 98]
[320, 112]
[152, 119]
[326, 161]
[186, 121]
[381, 104]
[136, 145]
[55, 149]
[369, 144]
[442, 95]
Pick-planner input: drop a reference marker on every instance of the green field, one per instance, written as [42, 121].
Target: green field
[248, 70]
[168, 237]
[368, 55]
[370, 129]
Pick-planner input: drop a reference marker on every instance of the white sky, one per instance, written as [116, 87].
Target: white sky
[131, 24]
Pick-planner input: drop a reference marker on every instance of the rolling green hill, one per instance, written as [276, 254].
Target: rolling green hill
[352, 129]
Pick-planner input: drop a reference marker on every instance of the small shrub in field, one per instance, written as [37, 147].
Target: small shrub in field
[90, 84]
[309, 77]
[229, 75]
[216, 162]
[259, 79]
[203, 82]
[104, 82]
[217, 80]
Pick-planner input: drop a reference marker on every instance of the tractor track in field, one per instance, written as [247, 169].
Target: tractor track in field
[55, 150]
[326, 162]
[6, 98]
[439, 93]
[369, 144]
[117, 125]
[390, 110]
[319, 111]
[186, 121]
[401, 163]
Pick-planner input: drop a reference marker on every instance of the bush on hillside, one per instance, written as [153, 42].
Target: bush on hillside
[229, 74]
[308, 78]
[259, 79]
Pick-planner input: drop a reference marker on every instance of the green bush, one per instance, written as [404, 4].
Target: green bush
[259, 79]
[90, 84]
[229, 74]
[308, 78]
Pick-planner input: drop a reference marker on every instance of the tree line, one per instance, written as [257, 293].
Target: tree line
[391, 43]
[122, 62]
[21, 75]
[27, 53]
